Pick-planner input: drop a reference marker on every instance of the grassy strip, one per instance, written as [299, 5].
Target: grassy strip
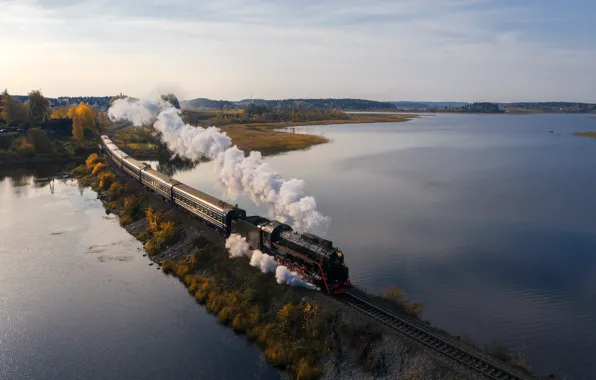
[257, 136]
[298, 330]
[589, 134]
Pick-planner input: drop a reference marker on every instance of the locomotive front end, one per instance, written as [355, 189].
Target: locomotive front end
[338, 273]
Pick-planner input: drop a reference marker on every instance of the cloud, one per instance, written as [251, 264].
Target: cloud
[426, 49]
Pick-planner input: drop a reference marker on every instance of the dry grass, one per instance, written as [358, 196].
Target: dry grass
[589, 134]
[397, 297]
[258, 138]
[262, 137]
[292, 337]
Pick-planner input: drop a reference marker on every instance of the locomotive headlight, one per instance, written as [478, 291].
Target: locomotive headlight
[340, 254]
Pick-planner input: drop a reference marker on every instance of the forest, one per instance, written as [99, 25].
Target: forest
[32, 130]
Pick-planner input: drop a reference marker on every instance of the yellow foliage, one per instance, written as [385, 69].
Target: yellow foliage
[97, 168]
[70, 112]
[154, 219]
[277, 355]
[115, 189]
[307, 371]
[393, 294]
[166, 232]
[91, 161]
[25, 148]
[84, 117]
[106, 179]
[201, 296]
[241, 323]
[151, 247]
[216, 304]
[286, 311]
[56, 114]
[226, 315]
[125, 220]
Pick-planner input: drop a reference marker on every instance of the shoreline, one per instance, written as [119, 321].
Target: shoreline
[267, 137]
[359, 347]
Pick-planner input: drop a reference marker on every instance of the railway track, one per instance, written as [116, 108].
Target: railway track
[432, 340]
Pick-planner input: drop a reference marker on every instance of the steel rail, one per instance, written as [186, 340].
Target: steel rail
[432, 340]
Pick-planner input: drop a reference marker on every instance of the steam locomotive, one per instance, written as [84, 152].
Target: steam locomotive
[314, 258]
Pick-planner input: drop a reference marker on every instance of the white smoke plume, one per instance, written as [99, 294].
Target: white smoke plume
[182, 139]
[263, 261]
[138, 112]
[238, 247]
[284, 275]
[251, 174]
[238, 173]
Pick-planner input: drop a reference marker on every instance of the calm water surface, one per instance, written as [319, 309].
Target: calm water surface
[78, 300]
[490, 221]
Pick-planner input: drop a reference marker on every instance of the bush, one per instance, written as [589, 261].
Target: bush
[215, 304]
[307, 371]
[91, 161]
[106, 179]
[154, 219]
[39, 140]
[166, 232]
[25, 148]
[125, 220]
[168, 267]
[277, 355]
[79, 170]
[151, 248]
[133, 206]
[115, 189]
[241, 323]
[143, 236]
[98, 168]
[226, 315]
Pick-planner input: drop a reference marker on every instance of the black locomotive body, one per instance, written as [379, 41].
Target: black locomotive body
[314, 258]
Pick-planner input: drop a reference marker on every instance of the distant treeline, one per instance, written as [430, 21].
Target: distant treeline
[480, 107]
[564, 107]
[101, 103]
[263, 114]
[327, 104]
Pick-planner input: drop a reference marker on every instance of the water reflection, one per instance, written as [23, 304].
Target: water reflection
[78, 300]
[171, 166]
[488, 220]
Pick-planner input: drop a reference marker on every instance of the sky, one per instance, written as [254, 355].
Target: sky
[459, 50]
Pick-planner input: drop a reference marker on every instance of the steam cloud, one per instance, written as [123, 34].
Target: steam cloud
[238, 247]
[238, 173]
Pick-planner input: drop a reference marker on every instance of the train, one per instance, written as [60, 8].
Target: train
[314, 258]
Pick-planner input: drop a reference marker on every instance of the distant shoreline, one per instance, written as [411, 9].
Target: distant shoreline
[588, 134]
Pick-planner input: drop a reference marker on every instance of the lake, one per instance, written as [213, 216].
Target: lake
[79, 301]
[488, 220]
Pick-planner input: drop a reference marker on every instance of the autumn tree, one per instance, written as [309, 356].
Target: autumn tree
[39, 140]
[2, 97]
[102, 120]
[13, 110]
[56, 114]
[66, 112]
[83, 120]
[38, 107]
